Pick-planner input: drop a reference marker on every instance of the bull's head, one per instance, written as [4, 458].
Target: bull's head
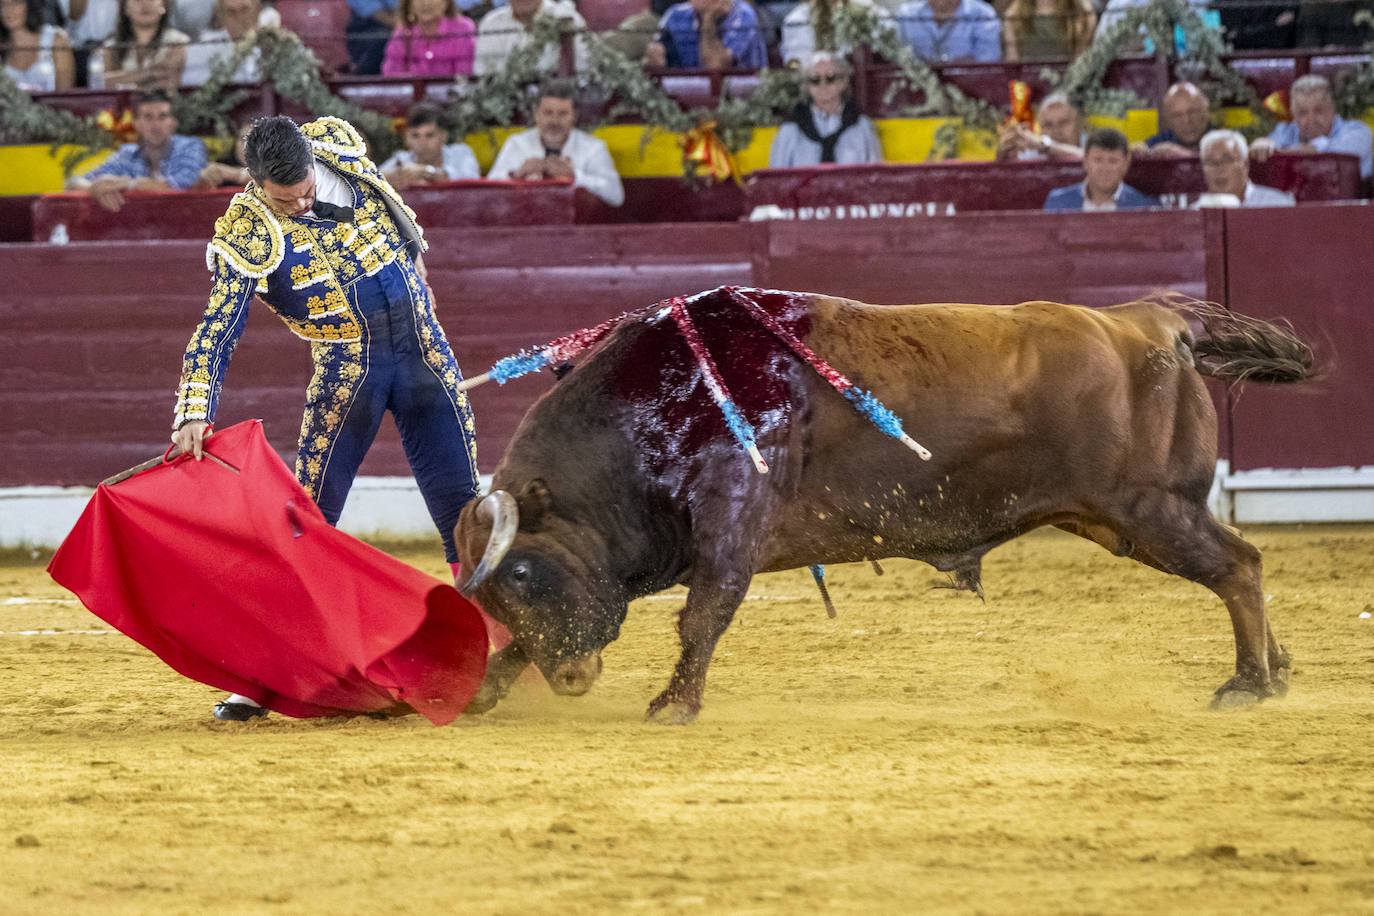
[546, 579]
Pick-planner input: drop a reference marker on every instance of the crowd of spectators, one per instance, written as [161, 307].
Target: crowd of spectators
[156, 46]
[146, 44]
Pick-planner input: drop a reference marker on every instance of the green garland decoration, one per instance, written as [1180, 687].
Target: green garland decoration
[1200, 62]
[22, 120]
[1354, 91]
[293, 71]
[855, 25]
[503, 97]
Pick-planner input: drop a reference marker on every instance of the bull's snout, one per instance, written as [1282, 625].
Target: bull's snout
[575, 677]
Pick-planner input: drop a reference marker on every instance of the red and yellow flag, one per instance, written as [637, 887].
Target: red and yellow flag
[1021, 110]
[1276, 103]
[121, 124]
[708, 154]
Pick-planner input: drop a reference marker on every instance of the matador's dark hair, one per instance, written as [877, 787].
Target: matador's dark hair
[275, 150]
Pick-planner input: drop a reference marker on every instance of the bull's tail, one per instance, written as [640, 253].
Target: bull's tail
[1238, 348]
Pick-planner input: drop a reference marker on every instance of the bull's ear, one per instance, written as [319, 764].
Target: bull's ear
[535, 501]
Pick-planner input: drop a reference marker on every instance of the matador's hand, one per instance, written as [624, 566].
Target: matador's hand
[191, 437]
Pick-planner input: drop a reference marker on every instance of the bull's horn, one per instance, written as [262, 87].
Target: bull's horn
[499, 508]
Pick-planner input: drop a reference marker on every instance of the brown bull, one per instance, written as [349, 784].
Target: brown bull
[624, 480]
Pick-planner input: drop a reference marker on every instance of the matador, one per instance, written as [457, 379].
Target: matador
[322, 238]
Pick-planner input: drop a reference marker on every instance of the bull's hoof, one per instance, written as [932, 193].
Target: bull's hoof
[663, 711]
[484, 700]
[1226, 698]
[1247, 689]
[1281, 670]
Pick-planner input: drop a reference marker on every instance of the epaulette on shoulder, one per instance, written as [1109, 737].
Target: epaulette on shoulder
[248, 236]
[334, 135]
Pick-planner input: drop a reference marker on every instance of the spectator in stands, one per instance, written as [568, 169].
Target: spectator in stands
[239, 21]
[1116, 10]
[1226, 168]
[192, 16]
[1184, 116]
[231, 169]
[428, 156]
[36, 55]
[634, 33]
[554, 148]
[507, 27]
[1060, 137]
[1254, 26]
[159, 161]
[1106, 158]
[1047, 28]
[1331, 24]
[370, 24]
[829, 128]
[710, 34]
[1316, 128]
[951, 30]
[432, 39]
[145, 52]
[90, 22]
[810, 25]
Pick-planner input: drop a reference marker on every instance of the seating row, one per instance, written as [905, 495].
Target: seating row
[1265, 72]
[837, 192]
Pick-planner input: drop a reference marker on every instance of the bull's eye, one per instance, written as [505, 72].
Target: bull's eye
[520, 572]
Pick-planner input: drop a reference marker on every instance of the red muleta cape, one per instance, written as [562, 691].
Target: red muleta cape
[236, 580]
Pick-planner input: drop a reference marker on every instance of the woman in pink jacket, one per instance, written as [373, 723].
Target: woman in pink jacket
[431, 39]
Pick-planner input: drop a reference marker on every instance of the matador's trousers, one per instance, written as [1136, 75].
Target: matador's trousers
[403, 364]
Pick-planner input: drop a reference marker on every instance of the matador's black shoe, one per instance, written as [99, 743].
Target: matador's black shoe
[238, 712]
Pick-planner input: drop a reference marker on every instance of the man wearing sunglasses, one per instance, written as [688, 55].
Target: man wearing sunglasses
[828, 129]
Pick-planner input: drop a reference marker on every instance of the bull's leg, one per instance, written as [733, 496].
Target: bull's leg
[711, 604]
[1182, 538]
[503, 668]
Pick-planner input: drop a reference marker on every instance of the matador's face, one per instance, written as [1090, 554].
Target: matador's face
[290, 200]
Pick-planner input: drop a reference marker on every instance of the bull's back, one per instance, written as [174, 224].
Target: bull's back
[957, 345]
[1031, 412]
[950, 363]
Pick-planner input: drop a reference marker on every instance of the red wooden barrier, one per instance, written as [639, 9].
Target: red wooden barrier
[94, 332]
[145, 215]
[192, 214]
[931, 188]
[1310, 265]
[16, 217]
[455, 204]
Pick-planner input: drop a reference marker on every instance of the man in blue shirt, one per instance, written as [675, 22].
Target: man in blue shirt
[370, 24]
[158, 161]
[1316, 128]
[1106, 159]
[715, 34]
[951, 30]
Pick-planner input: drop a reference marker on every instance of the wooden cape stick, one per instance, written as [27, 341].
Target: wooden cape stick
[165, 458]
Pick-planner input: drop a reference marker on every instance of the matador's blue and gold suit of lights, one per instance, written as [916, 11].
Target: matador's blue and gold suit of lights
[351, 289]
